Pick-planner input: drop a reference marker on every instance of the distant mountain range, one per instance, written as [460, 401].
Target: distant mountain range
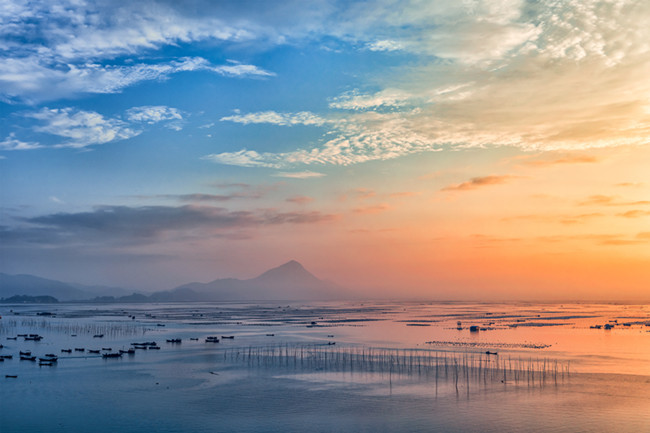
[30, 285]
[290, 281]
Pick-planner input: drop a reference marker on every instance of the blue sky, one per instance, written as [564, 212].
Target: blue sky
[148, 143]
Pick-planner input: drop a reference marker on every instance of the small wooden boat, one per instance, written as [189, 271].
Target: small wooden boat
[46, 363]
[98, 336]
[93, 351]
[129, 351]
[12, 338]
[270, 335]
[50, 355]
[229, 337]
[107, 348]
[26, 353]
[473, 328]
[66, 350]
[22, 335]
[112, 355]
[12, 376]
[146, 343]
[33, 338]
[79, 349]
[212, 340]
[27, 358]
[194, 339]
[154, 347]
[174, 340]
[6, 356]
[49, 359]
[490, 353]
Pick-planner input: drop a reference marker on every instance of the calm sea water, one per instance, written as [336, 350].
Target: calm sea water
[329, 367]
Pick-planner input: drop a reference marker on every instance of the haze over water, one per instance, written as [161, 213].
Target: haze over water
[281, 372]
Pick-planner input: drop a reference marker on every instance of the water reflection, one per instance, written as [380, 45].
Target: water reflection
[329, 367]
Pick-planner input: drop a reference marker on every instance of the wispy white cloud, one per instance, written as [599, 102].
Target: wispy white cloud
[54, 49]
[366, 137]
[384, 45]
[245, 158]
[517, 66]
[472, 60]
[29, 79]
[236, 69]
[82, 128]
[299, 174]
[276, 118]
[12, 143]
[151, 114]
[354, 100]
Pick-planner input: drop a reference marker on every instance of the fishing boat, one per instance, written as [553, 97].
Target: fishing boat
[27, 358]
[212, 340]
[66, 350]
[49, 359]
[229, 337]
[93, 351]
[174, 340]
[112, 355]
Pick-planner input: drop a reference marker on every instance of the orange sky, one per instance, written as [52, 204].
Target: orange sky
[443, 150]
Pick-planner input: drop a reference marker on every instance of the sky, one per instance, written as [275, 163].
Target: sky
[484, 150]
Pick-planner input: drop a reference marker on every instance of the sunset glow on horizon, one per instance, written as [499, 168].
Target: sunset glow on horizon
[472, 150]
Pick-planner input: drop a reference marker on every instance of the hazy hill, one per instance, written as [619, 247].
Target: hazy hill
[290, 281]
[30, 285]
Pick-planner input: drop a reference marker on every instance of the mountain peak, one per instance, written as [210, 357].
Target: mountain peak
[291, 269]
[289, 281]
[292, 264]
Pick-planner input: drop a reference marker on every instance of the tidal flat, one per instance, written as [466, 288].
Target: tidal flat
[326, 367]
